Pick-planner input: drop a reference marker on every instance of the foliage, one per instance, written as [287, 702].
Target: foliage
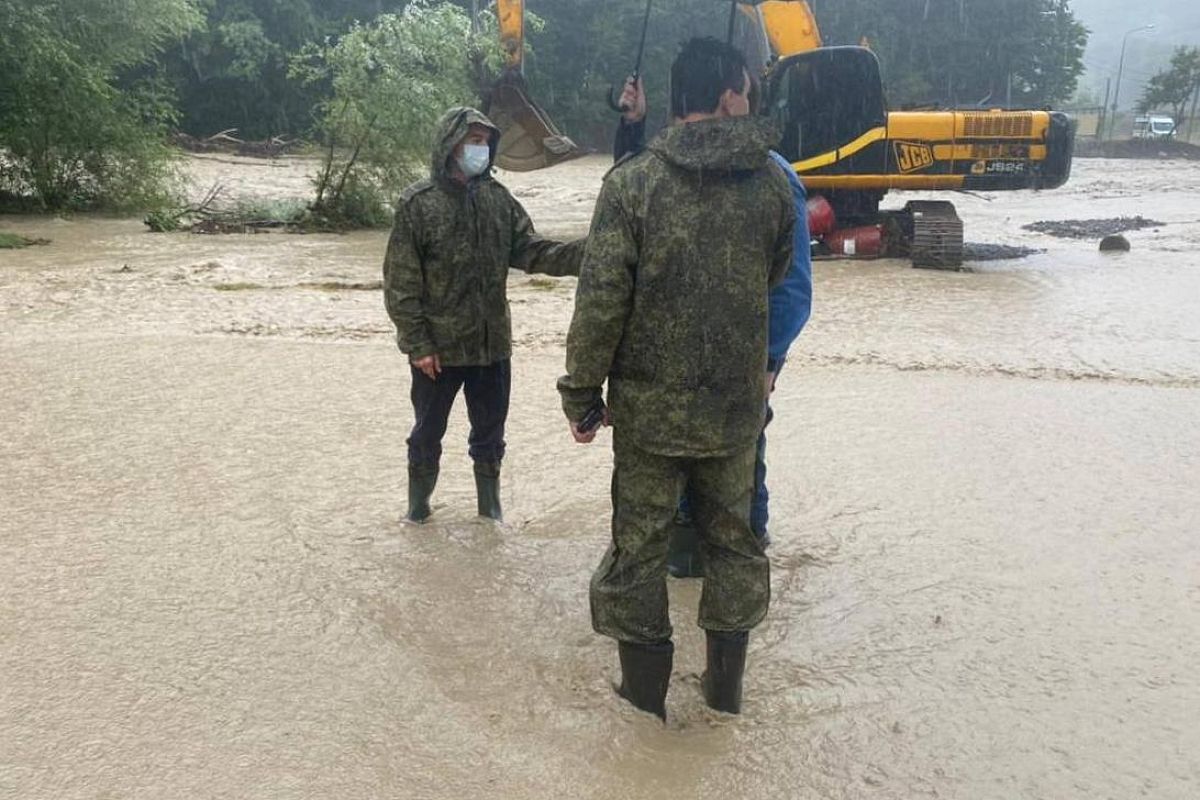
[79, 127]
[586, 48]
[1175, 85]
[87, 90]
[964, 52]
[234, 72]
[390, 81]
[11, 241]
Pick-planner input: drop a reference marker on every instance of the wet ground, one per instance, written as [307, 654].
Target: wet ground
[985, 574]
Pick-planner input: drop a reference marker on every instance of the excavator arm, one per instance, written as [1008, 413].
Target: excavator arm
[511, 14]
[529, 139]
[788, 26]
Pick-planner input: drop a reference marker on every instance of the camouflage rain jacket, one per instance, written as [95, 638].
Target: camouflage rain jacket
[446, 272]
[687, 239]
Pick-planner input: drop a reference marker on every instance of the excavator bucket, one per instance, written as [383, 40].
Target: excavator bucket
[529, 139]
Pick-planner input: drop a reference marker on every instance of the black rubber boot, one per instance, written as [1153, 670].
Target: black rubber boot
[722, 680]
[487, 489]
[645, 675]
[683, 549]
[422, 478]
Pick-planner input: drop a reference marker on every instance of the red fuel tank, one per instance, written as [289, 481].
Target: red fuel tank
[820, 217]
[863, 241]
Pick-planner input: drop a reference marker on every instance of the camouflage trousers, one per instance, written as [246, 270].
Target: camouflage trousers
[629, 588]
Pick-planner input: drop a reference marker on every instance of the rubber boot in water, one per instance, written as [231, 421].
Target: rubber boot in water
[422, 478]
[645, 675]
[487, 489]
[722, 680]
[683, 549]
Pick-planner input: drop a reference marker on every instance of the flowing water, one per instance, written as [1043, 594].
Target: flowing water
[984, 507]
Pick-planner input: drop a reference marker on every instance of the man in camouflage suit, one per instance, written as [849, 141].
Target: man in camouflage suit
[456, 235]
[687, 239]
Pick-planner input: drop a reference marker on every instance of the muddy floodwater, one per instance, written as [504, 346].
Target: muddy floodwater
[985, 514]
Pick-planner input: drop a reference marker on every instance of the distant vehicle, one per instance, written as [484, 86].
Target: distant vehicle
[1153, 127]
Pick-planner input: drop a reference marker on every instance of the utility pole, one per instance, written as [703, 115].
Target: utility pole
[1120, 69]
[1104, 111]
[1192, 119]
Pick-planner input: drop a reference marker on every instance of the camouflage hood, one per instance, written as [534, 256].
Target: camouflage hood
[447, 264]
[451, 129]
[728, 144]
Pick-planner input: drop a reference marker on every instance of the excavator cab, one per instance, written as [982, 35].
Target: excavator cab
[529, 139]
[827, 99]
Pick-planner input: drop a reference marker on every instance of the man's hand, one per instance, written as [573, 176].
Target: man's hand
[769, 383]
[586, 438]
[430, 365]
[633, 100]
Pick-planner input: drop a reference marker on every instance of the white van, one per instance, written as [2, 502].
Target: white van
[1153, 127]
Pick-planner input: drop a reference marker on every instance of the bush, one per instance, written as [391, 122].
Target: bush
[391, 80]
[78, 127]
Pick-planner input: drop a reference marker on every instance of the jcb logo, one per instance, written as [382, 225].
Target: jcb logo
[911, 157]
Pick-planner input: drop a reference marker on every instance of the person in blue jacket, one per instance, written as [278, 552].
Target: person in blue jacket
[791, 305]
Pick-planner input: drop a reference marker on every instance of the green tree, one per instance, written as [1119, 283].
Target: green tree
[1175, 85]
[962, 52]
[78, 126]
[390, 81]
[234, 72]
[586, 48]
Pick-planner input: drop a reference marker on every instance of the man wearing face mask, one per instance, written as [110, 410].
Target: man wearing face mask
[686, 241]
[456, 235]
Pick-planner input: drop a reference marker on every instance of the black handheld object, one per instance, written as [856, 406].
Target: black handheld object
[592, 419]
[637, 67]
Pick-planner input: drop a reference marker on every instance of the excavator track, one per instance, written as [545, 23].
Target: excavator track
[937, 235]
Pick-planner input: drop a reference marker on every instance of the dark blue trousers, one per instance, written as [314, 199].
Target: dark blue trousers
[486, 390]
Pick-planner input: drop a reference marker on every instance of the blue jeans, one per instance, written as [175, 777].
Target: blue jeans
[759, 513]
[758, 507]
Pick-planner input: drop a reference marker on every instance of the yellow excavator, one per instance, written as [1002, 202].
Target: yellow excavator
[843, 142]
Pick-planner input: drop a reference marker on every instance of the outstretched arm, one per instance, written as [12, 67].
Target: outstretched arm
[532, 253]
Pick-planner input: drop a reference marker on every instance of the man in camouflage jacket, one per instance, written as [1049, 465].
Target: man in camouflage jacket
[456, 235]
[687, 239]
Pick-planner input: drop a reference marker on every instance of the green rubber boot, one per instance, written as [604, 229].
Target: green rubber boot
[683, 549]
[422, 478]
[487, 489]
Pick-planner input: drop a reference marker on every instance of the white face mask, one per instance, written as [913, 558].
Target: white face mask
[475, 159]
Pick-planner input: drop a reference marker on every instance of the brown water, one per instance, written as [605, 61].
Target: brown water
[985, 574]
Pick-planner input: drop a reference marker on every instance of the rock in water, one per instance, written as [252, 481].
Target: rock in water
[1114, 244]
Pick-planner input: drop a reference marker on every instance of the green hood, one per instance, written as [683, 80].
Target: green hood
[727, 144]
[451, 129]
